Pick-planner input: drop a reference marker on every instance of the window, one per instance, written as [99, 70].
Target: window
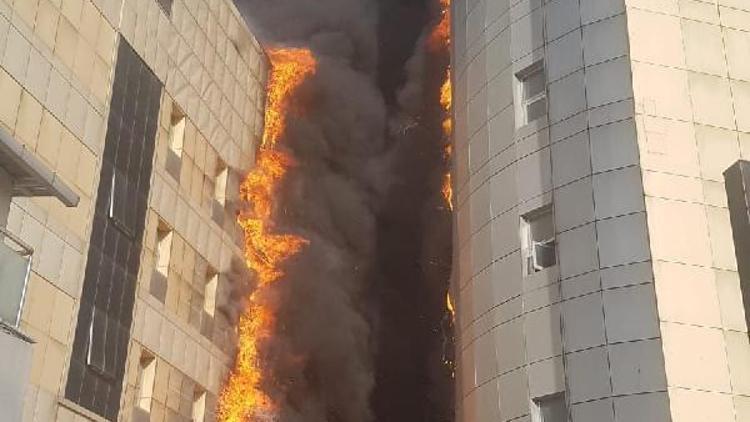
[99, 352]
[550, 409]
[147, 375]
[177, 129]
[163, 247]
[99, 330]
[121, 200]
[219, 202]
[199, 405]
[532, 93]
[176, 140]
[220, 182]
[538, 240]
[209, 293]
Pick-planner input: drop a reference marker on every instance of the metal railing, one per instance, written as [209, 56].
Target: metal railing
[15, 266]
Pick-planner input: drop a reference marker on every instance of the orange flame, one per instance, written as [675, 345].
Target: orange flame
[440, 37]
[449, 306]
[242, 398]
[291, 66]
[447, 190]
[439, 41]
[446, 101]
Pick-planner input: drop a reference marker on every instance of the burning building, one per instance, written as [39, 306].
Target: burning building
[127, 129]
[602, 258]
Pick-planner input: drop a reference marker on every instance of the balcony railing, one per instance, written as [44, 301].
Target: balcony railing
[15, 265]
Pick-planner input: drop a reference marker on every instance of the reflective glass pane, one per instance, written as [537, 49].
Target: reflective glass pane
[12, 283]
[534, 84]
[553, 409]
[536, 109]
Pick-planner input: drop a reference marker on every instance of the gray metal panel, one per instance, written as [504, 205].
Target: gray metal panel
[31, 177]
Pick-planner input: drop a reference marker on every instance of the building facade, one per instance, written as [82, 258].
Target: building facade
[601, 207]
[125, 129]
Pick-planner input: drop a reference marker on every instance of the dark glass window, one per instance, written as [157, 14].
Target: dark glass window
[102, 334]
[122, 197]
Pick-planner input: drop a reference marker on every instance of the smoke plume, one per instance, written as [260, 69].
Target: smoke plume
[359, 310]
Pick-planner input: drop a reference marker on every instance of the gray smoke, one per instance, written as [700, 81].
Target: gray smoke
[346, 144]
[321, 357]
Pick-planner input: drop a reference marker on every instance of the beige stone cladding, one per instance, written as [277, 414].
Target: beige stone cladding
[56, 68]
[54, 78]
[692, 99]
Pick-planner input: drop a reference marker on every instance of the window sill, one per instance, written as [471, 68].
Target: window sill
[541, 278]
[80, 411]
[531, 128]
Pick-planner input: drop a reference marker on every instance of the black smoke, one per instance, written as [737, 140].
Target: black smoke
[361, 312]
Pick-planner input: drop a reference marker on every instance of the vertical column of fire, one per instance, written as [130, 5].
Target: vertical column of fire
[243, 398]
[440, 41]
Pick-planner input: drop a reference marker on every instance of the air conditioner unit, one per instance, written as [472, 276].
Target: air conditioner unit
[542, 255]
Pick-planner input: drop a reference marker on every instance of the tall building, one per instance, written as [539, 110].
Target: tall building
[125, 128]
[602, 220]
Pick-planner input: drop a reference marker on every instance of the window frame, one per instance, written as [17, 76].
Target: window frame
[163, 247]
[537, 408]
[525, 100]
[146, 366]
[198, 406]
[529, 245]
[114, 210]
[95, 333]
[177, 129]
[210, 291]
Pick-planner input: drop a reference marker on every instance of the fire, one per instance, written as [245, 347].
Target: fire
[440, 37]
[439, 42]
[242, 398]
[449, 305]
[447, 190]
[446, 101]
[291, 66]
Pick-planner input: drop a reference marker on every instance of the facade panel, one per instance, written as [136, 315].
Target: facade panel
[111, 304]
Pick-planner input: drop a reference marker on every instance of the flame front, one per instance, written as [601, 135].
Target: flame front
[446, 101]
[440, 41]
[440, 37]
[243, 398]
[291, 66]
[449, 306]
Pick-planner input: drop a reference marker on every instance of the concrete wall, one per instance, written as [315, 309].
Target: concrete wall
[56, 64]
[692, 103]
